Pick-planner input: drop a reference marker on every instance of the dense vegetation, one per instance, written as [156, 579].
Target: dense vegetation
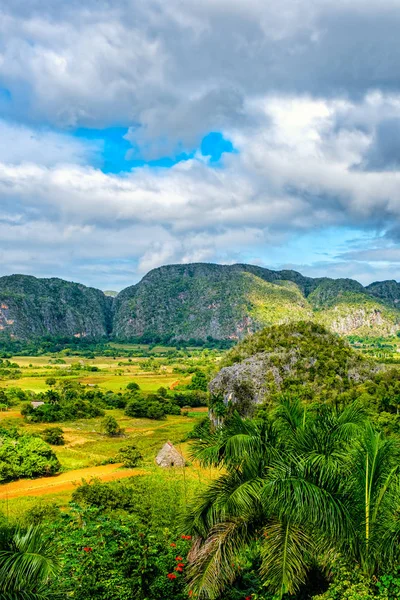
[25, 456]
[303, 490]
[301, 495]
[307, 361]
[196, 304]
[70, 401]
[305, 506]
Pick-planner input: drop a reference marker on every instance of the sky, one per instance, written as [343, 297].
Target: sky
[137, 133]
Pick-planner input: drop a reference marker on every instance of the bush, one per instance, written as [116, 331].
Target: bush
[50, 381]
[133, 386]
[130, 456]
[110, 426]
[26, 456]
[54, 436]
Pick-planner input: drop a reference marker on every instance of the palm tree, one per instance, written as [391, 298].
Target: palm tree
[291, 487]
[27, 563]
[375, 494]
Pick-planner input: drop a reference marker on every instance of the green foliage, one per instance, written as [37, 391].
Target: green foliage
[53, 436]
[157, 406]
[28, 563]
[25, 456]
[199, 382]
[69, 402]
[118, 558]
[351, 584]
[111, 427]
[133, 386]
[130, 456]
[305, 486]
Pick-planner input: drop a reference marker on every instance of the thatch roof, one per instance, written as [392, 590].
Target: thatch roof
[170, 457]
[36, 404]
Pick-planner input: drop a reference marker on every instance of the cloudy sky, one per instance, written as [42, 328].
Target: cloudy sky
[136, 133]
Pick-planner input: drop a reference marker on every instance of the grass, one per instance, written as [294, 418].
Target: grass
[86, 444]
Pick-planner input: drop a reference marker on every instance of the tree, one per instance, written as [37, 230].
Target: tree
[51, 381]
[199, 382]
[130, 456]
[54, 436]
[28, 563]
[309, 483]
[111, 427]
[133, 386]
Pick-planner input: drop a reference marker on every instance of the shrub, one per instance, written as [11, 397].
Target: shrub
[130, 456]
[133, 386]
[26, 456]
[110, 426]
[54, 436]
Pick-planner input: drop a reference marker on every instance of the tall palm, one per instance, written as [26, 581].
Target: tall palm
[375, 493]
[28, 561]
[285, 485]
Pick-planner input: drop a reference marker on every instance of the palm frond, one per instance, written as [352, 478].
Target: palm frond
[28, 563]
[286, 552]
[213, 562]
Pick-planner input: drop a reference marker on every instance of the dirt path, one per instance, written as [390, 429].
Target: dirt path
[64, 482]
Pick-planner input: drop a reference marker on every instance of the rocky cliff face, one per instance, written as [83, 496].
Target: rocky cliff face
[303, 359]
[196, 301]
[34, 308]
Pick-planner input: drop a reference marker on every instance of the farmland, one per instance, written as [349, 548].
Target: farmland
[87, 451]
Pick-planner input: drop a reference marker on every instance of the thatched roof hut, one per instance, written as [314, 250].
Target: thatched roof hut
[170, 457]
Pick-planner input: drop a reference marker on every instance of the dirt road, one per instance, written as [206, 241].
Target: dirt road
[64, 482]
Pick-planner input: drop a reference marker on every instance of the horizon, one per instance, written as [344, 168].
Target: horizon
[133, 137]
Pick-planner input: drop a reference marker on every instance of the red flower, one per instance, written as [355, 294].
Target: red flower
[181, 564]
[179, 558]
[186, 537]
[173, 545]
[179, 569]
[248, 598]
[88, 549]
[171, 576]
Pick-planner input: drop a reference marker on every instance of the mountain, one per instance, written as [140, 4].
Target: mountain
[303, 359]
[34, 308]
[229, 301]
[196, 302]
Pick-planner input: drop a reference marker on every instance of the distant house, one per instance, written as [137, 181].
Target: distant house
[170, 457]
[36, 404]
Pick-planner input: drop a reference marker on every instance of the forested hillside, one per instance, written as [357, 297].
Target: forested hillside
[227, 302]
[305, 361]
[195, 302]
[35, 308]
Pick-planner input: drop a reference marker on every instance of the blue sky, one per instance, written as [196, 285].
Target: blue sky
[117, 155]
[136, 134]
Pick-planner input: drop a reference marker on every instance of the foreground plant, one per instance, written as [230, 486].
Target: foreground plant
[28, 562]
[301, 489]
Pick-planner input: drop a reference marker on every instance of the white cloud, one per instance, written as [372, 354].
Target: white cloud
[306, 93]
[293, 173]
[22, 144]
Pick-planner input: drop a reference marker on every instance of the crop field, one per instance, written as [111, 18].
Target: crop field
[89, 453]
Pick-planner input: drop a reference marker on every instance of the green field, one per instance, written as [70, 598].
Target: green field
[86, 445]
